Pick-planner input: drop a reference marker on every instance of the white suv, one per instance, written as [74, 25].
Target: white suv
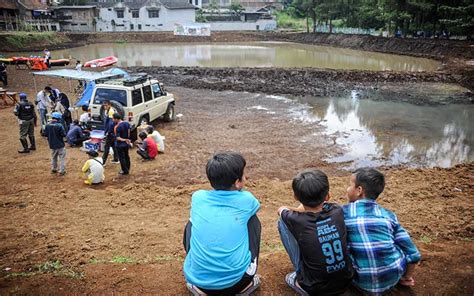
[137, 99]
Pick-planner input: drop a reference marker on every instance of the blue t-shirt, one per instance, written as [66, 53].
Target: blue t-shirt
[123, 131]
[74, 133]
[219, 251]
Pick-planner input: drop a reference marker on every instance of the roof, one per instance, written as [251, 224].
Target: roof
[33, 4]
[8, 4]
[76, 75]
[177, 4]
[75, 7]
[137, 4]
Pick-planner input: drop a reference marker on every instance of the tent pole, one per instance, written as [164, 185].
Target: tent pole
[34, 79]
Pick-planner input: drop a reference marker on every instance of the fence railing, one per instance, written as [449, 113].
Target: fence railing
[347, 30]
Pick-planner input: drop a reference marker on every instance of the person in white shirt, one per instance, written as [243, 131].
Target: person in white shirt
[85, 117]
[93, 169]
[78, 65]
[159, 139]
[43, 103]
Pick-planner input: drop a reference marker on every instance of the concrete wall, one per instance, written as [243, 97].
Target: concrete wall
[82, 20]
[165, 22]
[261, 25]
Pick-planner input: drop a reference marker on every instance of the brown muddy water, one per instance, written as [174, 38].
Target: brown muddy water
[249, 54]
[367, 132]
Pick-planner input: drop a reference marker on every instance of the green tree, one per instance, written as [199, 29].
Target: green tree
[236, 8]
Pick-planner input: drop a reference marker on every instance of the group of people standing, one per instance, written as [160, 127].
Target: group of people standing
[117, 134]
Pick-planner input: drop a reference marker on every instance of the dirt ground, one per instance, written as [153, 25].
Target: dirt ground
[60, 237]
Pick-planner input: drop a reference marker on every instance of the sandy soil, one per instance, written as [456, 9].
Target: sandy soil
[124, 237]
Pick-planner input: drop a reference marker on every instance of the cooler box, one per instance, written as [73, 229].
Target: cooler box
[96, 141]
[89, 145]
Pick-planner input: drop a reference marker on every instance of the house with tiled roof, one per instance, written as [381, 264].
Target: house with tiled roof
[143, 15]
[28, 15]
[8, 15]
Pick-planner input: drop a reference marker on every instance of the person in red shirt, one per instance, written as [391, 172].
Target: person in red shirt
[148, 150]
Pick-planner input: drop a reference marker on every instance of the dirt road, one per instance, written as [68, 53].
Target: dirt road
[58, 236]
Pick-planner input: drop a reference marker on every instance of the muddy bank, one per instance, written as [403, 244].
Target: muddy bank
[433, 48]
[307, 81]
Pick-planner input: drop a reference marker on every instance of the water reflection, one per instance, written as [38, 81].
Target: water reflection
[375, 133]
[253, 54]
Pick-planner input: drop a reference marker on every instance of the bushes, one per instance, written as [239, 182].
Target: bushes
[286, 21]
[20, 40]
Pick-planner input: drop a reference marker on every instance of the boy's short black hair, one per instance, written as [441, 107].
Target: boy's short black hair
[92, 153]
[371, 180]
[223, 169]
[142, 135]
[150, 129]
[75, 122]
[85, 108]
[117, 116]
[311, 187]
[48, 88]
[106, 102]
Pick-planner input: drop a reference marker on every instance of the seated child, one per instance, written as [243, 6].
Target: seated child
[75, 136]
[159, 139]
[148, 149]
[93, 169]
[314, 236]
[382, 251]
[222, 237]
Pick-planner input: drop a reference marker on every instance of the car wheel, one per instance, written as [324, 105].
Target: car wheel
[170, 114]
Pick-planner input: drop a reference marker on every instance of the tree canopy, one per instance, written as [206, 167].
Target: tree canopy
[455, 16]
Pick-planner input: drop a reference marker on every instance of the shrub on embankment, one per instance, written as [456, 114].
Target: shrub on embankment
[26, 41]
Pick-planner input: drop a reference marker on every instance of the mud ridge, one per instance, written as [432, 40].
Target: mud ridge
[305, 81]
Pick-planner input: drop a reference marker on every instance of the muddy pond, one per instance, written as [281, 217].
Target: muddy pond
[366, 132]
[249, 54]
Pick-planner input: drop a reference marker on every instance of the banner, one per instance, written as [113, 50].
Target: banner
[192, 30]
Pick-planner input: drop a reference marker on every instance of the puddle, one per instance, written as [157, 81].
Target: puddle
[376, 133]
[250, 54]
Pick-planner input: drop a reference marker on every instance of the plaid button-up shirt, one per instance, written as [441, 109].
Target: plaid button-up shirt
[379, 246]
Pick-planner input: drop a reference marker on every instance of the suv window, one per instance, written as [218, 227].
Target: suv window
[147, 93]
[137, 97]
[156, 90]
[102, 94]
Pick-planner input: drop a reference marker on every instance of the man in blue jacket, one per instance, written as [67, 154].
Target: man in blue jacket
[55, 133]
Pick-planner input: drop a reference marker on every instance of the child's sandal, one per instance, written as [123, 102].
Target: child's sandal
[291, 281]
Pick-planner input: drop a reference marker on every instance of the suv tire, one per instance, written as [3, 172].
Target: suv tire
[170, 115]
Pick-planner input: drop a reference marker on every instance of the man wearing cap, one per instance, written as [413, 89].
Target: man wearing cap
[55, 133]
[25, 111]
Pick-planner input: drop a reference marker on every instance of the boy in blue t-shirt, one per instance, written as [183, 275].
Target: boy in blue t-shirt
[314, 236]
[381, 250]
[222, 237]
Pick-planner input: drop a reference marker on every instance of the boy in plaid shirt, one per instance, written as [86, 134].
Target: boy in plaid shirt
[381, 249]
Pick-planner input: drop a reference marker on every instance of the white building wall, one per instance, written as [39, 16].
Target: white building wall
[165, 22]
[260, 25]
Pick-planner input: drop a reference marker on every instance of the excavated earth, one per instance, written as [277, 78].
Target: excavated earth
[60, 237]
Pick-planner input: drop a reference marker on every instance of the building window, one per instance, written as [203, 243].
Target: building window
[153, 13]
[119, 13]
[131, 27]
[139, 27]
[135, 14]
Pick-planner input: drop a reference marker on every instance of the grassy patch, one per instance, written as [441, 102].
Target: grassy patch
[272, 248]
[22, 39]
[121, 41]
[426, 239]
[122, 260]
[52, 267]
[286, 21]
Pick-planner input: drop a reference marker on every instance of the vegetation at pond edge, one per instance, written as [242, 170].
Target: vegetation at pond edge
[405, 16]
[20, 40]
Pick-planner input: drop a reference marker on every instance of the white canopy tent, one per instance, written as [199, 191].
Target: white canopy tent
[72, 74]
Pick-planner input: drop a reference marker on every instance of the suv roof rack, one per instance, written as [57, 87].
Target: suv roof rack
[133, 80]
